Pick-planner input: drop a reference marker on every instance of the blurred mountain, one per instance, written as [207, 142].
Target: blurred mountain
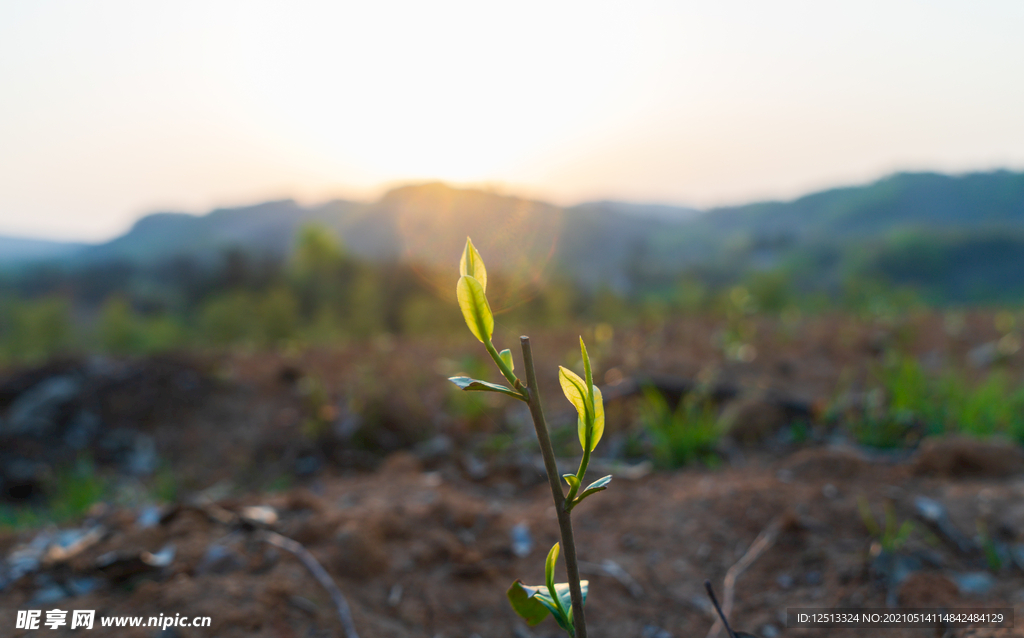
[964, 234]
[954, 239]
[664, 212]
[264, 229]
[16, 251]
[900, 201]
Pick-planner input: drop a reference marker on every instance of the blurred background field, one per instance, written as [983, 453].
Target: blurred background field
[297, 357]
[791, 237]
[284, 275]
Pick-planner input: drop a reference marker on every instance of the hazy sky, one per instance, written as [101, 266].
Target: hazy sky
[111, 109]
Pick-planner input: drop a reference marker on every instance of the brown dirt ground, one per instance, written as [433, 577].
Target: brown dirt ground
[445, 542]
[421, 549]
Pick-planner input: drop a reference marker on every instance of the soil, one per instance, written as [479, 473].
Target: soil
[417, 530]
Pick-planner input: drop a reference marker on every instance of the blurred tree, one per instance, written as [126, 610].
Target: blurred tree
[228, 319]
[318, 253]
[278, 315]
[118, 330]
[365, 306]
[321, 273]
[35, 330]
[690, 294]
[770, 291]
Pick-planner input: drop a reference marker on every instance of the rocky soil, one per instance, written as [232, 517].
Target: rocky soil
[423, 505]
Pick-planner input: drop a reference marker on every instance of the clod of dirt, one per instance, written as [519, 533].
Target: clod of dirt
[358, 554]
[120, 566]
[751, 419]
[313, 529]
[928, 589]
[392, 524]
[302, 499]
[825, 463]
[400, 463]
[959, 457]
[219, 559]
[115, 412]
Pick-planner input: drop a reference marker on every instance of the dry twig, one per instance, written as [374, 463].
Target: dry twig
[763, 541]
[319, 573]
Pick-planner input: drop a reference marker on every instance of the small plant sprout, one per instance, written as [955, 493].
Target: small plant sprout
[891, 535]
[564, 601]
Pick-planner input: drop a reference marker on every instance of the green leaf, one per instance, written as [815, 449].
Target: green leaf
[588, 374]
[524, 599]
[598, 432]
[545, 599]
[566, 596]
[472, 264]
[475, 385]
[575, 389]
[506, 356]
[573, 482]
[525, 602]
[599, 485]
[549, 567]
[475, 308]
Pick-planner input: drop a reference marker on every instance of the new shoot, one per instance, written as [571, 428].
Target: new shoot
[564, 601]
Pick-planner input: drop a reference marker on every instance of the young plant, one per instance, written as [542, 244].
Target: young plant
[891, 535]
[562, 600]
[688, 433]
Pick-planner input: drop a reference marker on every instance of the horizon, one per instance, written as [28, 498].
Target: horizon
[114, 109]
[487, 188]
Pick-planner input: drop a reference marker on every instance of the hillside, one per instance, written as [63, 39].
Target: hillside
[15, 251]
[900, 201]
[820, 239]
[267, 228]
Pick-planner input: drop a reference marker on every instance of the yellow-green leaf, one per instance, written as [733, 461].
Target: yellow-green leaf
[472, 264]
[588, 376]
[563, 593]
[549, 575]
[475, 385]
[598, 430]
[573, 482]
[575, 390]
[549, 566]
[506, 356]
[525, 602]
[475, 308]
[534, 602]
[599, 485]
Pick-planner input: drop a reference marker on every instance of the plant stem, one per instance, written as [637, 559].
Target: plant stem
[505, 371]
[564, 518]
[580, 474]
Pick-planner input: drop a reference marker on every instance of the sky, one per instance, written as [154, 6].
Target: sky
[111, 109]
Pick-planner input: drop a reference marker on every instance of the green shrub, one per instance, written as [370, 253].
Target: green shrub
[119, 331]
[277, 316]
[228, 319]
[681, 436]
[75, 489]
[906, 401]
[35, 330]
[72, 489]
